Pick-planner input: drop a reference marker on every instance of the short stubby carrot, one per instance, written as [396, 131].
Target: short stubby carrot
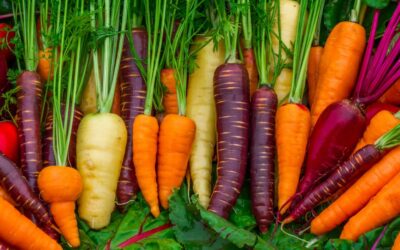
[379, 125]
[61, 187]
[314, 60]
[20, 232]
[174, 146]
[250, 64]
[339, 66]
[355, 198]
[292, 131]
[384, 207]
[44, 67]
[145, 138]
[170, 99]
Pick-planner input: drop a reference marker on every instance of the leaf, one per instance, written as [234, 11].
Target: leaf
[241, 214]
[336, 11]
[378, 4]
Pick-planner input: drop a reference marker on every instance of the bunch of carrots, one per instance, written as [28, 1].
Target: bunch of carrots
[119, 97]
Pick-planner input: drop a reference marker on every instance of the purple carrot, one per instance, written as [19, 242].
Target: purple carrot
[342, 124]
[28, 120]
[350, 170]
[19, 190]
[48, 153]
[231, 93]
[262, 155]
[133, 93]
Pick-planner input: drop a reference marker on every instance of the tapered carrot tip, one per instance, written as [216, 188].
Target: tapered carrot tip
[155, 211]
[64, 216]
[164, 201]
[287, 220]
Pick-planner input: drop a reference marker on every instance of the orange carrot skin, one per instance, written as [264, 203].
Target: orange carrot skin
[379, 125]
[44, 66]
[19, 231]
[339, 66]
[381, 209]
[392, 95]
[314, 60]
[249, 61]
[358, 194]
[175, 143]
[170, 99]
[396, 245]
[145, 139]
[293, 122]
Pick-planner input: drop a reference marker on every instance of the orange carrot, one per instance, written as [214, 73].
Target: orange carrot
[380, 124]
[339, 66]
[6, 196]
[44, 67]
[396, 245]
[313, 71]
[249, 61]
[358, 194]
[170, 100]
[61, 187]
[292, 131]
[20, 232]
[145, 138]
[175, 143]
[381, 209]
[392, 95]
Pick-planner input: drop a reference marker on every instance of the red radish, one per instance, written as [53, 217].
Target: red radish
[376, 107]
[6, 34]
[9, 140]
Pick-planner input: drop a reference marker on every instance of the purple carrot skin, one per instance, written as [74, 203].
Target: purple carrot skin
[231, 93]
[17, 187]
[350, 170]
[133, 95]
[262, 155]
[47, 143]
[28, 120]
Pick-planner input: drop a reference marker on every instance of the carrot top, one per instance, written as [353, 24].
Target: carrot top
[246, 24]
[306, 27]
[389, 139]
[72, 26]
[45, 24]
[24, 15]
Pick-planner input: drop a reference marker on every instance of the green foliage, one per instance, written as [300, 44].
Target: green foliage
[378, 4]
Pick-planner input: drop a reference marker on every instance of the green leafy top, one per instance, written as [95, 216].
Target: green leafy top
[390, 139]
[107, 54]
[24, 16]
[246, 23]
[71, 59]
[306, 27]
[45, 23]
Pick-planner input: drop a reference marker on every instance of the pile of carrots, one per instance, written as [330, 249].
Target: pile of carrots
[119, 97]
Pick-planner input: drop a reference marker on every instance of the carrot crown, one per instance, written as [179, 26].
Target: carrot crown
[306, 27]
[389, 139]
[70, 57]
[107, 54]
[24, 15]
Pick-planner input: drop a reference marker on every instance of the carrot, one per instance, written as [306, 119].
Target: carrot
[293, 118]
[45, 64]
[376, 107]
[396, 245]
[313, 71]
[251, 67]
[175, 143]
[145, 139]
[387, 201]
[145, 126]
[133, 91]
[6, 196]
[19, 231]
[358, 195]
[380, 124]
[201, 109]
[392, 95]
[339, 66]
[170, 100]
[61, 187]
[88, 102]
[116, 105]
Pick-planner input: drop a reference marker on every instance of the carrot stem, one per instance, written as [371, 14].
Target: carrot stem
[246, 24]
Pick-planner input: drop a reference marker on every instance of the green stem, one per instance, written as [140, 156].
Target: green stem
[246, 24]
[389, 139]
[355, 12]
[262, 28]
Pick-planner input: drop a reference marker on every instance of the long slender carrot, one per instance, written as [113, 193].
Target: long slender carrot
[396, 245]
[19, 231]
[313, 71]
[355, 198]
[380, 124]
[170, 99]
[380, 210]
[339, 66]
[61, 187]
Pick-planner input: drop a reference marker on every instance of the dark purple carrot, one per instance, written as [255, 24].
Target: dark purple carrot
[133, 93]
[342, 124]
[5, 246]
[231, 93]
[262, 155]
[19, 190]
[28, 121]
[48, 153]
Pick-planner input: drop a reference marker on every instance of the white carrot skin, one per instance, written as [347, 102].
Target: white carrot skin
[201, 109]
[289, 13]
[100, 148]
